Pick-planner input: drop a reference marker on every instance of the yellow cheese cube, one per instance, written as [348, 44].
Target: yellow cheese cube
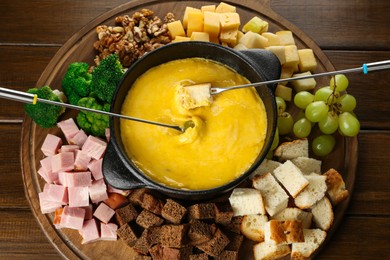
[256, 25]
[176, 29]
[240, 46]
[283, 92]
[208, 8]
[229, 21]
[225, 8]
[273, 39]
[211, 23]
[214, 39]
[181, 39]
[253, 40]
[286, 72]
[307, 61]
[229, 36]
[285, 38]
[195, 22]
[200, 36]
[279, 51]
[239, 35]
[303, 84]
[292, 57]
[185, 17]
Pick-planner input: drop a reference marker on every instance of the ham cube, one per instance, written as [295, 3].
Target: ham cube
[47, 168]
[46, 205]
[58, 193]
[51, 144]
[69, 148]
[78, 196]
[104, 213]
[89, 231]
[95, 147]
[111, 189]
[98, 191]
[63, 161]
[68, 128]
[42, 172]
[81, 161]
[72, 217]
[78, 179]
[88, 212]
[95, 166]
[62, 179]
[108, 231]
[79, 138]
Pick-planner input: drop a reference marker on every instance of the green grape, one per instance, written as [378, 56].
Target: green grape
[347, 103]
[275, 142]
[280, 104]
[316, 111]
[329, 124]
[341, 82]
[285, 123]
[303, 98]
[323, 145]
[302, 128]
[325, 94]
[349, 125]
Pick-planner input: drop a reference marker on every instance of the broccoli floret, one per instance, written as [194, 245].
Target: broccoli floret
[93, 123]
[44, 115]
[76, 82]
[106, 76]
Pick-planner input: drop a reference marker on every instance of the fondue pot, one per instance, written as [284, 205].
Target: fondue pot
[254, 64]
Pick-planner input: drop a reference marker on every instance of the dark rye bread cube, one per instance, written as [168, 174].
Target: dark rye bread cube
[227, 255]
[236, 241]
[147, 219]
[223, 213]
[173, 235]
[141, 257]
[201, 256]
[159, 252]
[201, 211]
[199, 232]
[173, 211]
[143, 243]
[126, 214]
[127, 234]
[216, 245]
[151, 203]
[153, 235]
[137, 195]
[234, 225]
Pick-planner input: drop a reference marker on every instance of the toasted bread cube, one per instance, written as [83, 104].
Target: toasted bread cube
[190, 97]
[229, 21]
[229, 36]
[279, 51]
[176, 29]
[195, 23]
[274, 232]
[291, 55]
[208, 8]
[264, 250]
[293, 149]
[273, 39]
[186, 12]
[304, 217]
[252, 227]
[291, 177]
[337, 191]
[211, 24]
[225, 8]
[313, 239]
[181, 39]
[313, 193]
[253, 40]
[200, 36]
[307, 61]
[285, 38]
[256, 25]
[246, 201]
[308, 165]
[303, 84]
[283, 92]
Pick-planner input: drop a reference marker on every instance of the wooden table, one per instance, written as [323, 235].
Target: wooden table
[349, 32]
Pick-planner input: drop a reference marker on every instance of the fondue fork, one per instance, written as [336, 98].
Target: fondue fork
[365, 68]
[33, 99]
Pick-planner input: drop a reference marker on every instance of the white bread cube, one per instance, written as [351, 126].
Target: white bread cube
[285, 38]
[291, 177]
[252, 227]
[323, 215]
[264, 251]
[267, 166]
[336, 186]
[293, 230]
[313, 193]
[274, 232]
[275, 198]
[246, 201]
[307, 60]
[304, 217]
[307, 165]
[303, 84]
[293, 149]
[313, 239]
[191, 97]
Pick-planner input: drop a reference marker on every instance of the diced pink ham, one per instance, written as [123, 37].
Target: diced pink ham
[95, 147]
[111, 189]
[68, 128]
[79, 138]
[42, 172]
[69, 148]
[88, 212]
[72, 217]
[81, 161]
[46, 205]
[78, 179]
[108, 231]
[104, 213]
[58, 193]
[47, 167]
[95, 166]
[62, 179]
[63, 161]
[98, 191]
[107, 133]
[78, 196]
[89, 232]
[51, 144]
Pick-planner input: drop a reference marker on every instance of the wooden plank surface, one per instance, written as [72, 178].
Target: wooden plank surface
[350, 33]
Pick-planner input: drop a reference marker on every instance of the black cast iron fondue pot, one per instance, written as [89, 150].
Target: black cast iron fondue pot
[254, 64]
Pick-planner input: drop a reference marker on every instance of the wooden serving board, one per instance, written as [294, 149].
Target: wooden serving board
[79, 48]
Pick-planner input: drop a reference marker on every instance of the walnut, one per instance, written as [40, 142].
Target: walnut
[169, 17]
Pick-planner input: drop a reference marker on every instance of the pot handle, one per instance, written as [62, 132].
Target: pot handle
[264, 62]
[115, 172]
